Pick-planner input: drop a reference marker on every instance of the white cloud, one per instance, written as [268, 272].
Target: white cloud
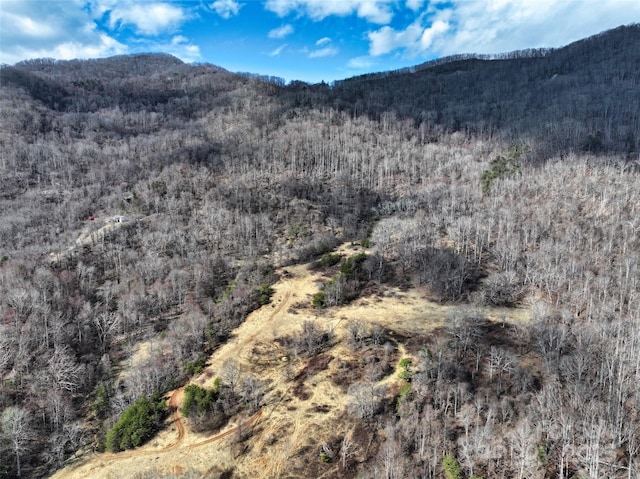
[71, 29]
[497, 26]
[374, 11]
[415, 5]
[30, 22]
[226, 8]
[278, 51]
[104, 47]
[388, 39]
[70, 50]
[62, 30]
[28, 26]
[360, 63]
[179, 40]
[281, 32]
[100, 7]
[148, 18]
[324, 52]
[180, 47]
[435, 31]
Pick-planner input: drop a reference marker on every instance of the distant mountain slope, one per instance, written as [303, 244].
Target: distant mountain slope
[117, 67]
[131, 83]
[580, 97]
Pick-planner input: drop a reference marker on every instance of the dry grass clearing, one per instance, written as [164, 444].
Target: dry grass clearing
[305, 407]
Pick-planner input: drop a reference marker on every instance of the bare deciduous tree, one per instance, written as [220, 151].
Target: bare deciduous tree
[17, 430]
[65, 372]
[348, 449]
[231, 372]
[106, 325]
[252, 390]
[365, 399]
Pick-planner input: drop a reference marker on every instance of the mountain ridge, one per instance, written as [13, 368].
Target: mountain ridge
[520, 97]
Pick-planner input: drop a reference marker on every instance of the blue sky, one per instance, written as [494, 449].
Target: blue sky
[309, 40]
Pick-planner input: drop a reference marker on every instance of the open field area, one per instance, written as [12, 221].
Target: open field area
[304, 405]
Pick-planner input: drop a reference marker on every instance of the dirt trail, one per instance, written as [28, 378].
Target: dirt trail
[265, 324]
[249, 422]
[96, 465]
[174, 403]
[93, 233]
[259, 324]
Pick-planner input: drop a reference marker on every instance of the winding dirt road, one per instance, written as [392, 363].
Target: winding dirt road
[256, 326]
[101, 462]
[174, 401]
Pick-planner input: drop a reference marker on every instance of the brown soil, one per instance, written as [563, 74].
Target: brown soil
[174, 403]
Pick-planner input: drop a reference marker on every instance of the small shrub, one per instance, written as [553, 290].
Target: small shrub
[217, 384]
[357, 334]
[101, 401]
[227, 292]
[319, 300]
[335, 290]
[137, 424]
[451, 467]
[159, 187]
[406, 369]
[344, 285]
[352, 266]
[208, 408]
[541, 452]
[330, 259]
[312, 338]
[365, 399]
[195, 367]
[403, 395]
[297, 232]
[501, 289]
[198, 400]
[262, 294]
[593, 143]
[502, 166]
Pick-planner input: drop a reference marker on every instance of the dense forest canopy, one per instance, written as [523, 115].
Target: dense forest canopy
[143, 198]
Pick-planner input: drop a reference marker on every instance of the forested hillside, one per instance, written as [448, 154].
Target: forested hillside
[580, 97]
[146, 201]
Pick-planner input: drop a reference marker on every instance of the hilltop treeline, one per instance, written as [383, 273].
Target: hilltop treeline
[216, 179]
